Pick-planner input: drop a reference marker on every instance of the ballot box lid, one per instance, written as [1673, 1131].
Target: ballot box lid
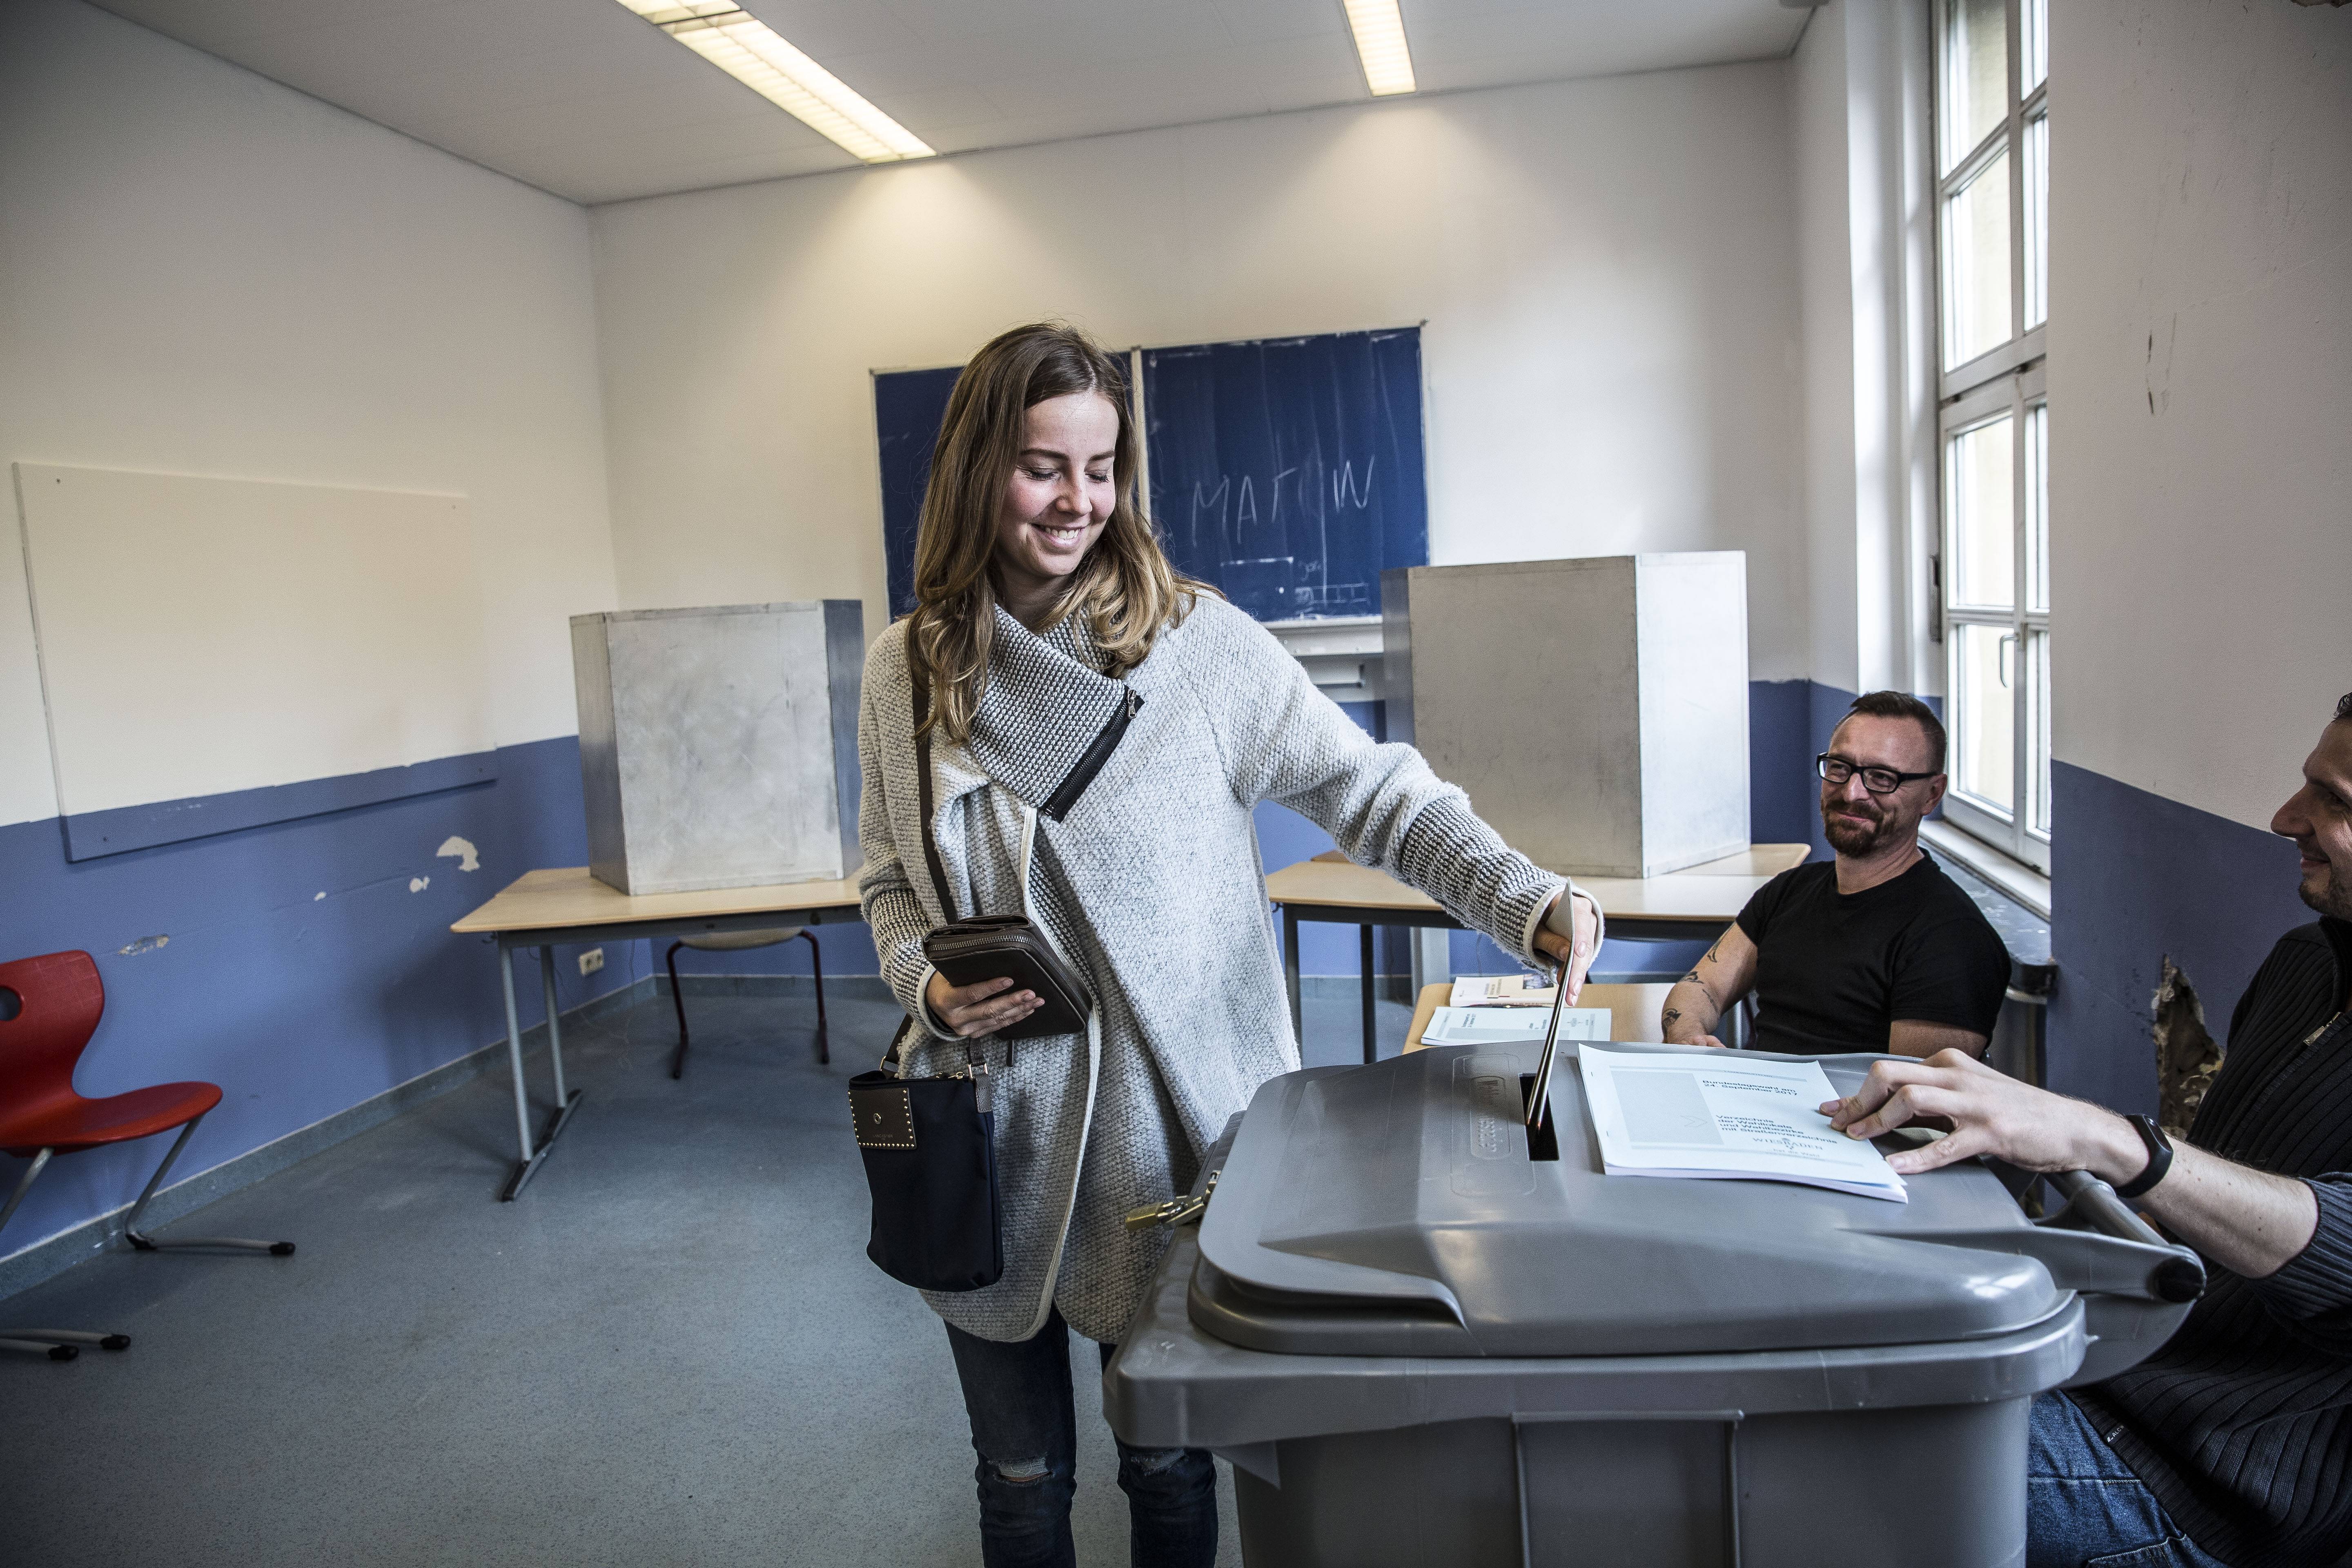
[1394, 1209]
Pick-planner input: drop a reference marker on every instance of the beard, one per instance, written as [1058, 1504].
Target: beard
[2334, 899]
[1850, 837]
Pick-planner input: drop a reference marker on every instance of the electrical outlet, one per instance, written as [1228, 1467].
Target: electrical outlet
[592, 960]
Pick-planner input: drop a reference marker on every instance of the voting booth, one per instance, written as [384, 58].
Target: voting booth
[1595, 709]
[1420, 1342]
[719, 746]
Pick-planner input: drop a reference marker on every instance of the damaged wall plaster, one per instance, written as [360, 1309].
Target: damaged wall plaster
[2187, 1056]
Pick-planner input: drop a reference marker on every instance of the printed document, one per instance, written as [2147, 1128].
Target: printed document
[1499, 991]
[1725, 1115]
[1506, 1026]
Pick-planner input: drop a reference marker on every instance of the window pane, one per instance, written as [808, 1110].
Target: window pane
[2037, 44]
[1975, 265]
[1976, 74]
[1985, 714]
[2037, 507]
[2037, 731]
[2037, 220]
[1984, 515]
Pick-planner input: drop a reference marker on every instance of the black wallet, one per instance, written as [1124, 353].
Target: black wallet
[994, 947]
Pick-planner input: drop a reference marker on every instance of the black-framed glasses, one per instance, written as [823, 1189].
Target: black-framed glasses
[1836, 770]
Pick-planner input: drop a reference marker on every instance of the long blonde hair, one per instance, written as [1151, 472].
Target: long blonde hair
[1125, 587]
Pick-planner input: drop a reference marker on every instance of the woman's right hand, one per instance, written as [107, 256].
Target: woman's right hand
[981, 1009]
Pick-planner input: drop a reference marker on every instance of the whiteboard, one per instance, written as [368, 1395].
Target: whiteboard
[204, 636]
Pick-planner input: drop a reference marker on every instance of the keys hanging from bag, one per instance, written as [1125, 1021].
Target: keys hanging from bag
[930, 1144]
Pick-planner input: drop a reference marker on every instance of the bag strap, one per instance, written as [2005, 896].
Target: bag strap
[920, 706]
[922, 709]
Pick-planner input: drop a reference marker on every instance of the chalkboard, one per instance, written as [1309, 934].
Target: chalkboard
[1288, 471]
[908, 406]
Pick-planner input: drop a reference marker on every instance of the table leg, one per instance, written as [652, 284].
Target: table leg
[1290, 977]
[566, 1101]
[1364, 955]
[555, 1030]
[514, 1058]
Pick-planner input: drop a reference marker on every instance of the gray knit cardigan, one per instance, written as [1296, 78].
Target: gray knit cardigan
[1152, 886]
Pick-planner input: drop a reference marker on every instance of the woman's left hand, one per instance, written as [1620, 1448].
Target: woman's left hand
[1573, 957]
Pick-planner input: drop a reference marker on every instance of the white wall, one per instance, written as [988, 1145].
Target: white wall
[1864, 215]
[1607, 269]
[203, 272]
[2200, 392]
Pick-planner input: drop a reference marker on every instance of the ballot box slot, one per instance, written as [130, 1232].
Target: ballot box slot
[1543, 1136]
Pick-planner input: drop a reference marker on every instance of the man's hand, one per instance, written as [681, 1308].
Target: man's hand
[2248, 1221]
[978, 1008]
[1575, 958]
[1989, 1113]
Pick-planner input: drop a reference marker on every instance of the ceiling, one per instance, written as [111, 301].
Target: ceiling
[581, 99]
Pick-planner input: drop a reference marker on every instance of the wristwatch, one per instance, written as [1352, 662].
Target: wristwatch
[2159, 1156]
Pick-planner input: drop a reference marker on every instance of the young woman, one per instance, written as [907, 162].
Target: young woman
[1099, 730]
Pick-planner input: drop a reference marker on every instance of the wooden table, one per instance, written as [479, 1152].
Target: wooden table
[1634, 1010]
[1696, 903]
[545, 908]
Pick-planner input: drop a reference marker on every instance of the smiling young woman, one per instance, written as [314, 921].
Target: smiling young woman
[1098, 732]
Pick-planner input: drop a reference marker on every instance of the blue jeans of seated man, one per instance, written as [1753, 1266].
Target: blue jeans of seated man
[1024, 1428]
[2083, 1507]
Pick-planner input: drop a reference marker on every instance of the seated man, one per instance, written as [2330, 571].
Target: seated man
[2238, 1431]
[1876, 950]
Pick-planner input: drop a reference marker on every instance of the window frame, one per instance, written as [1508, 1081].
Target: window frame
[2009, 380]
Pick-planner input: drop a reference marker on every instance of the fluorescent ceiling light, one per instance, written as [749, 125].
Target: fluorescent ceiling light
[1380, 44]
[744, 48]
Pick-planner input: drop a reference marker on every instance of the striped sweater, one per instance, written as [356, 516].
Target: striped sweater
[2241, 1424]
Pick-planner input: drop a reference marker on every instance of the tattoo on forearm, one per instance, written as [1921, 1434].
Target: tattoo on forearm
[1667, 1018]
[1693, 975]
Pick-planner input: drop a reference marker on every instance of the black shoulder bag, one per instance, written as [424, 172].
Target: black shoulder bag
[929, 1144]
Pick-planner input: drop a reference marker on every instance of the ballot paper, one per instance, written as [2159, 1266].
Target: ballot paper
[1500, 1025]
[1725, 1115]
[1499, 991]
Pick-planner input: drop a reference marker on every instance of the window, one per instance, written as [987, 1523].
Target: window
[1992, 165]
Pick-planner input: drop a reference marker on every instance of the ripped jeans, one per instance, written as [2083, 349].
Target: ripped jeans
[1024, 1428]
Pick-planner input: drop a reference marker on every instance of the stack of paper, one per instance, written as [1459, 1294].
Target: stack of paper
[1503, 1025]
[1499, 991]
[1725, 1115]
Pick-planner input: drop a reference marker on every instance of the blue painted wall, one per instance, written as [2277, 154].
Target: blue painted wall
[223, 962]
[2135, 878]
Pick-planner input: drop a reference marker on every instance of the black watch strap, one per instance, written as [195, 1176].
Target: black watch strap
[2159, 1156]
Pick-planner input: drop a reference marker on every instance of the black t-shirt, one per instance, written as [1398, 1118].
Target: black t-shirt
[1834, 971]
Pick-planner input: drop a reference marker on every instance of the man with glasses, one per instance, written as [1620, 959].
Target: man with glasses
[1876, 950]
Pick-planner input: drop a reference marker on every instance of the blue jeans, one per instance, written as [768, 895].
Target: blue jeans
[1024, 1428]
[2083, 1507]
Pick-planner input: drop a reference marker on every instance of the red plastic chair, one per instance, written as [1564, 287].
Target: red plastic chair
[49, 1007]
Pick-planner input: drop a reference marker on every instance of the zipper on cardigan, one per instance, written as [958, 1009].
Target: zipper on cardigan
[1065, 795]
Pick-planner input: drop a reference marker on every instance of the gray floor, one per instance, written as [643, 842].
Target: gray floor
[671, 1349]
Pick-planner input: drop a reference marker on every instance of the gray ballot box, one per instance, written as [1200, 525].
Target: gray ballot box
[1421, 1343]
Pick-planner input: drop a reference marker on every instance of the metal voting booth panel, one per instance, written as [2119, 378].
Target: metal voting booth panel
[1596, 710]
[718, 747]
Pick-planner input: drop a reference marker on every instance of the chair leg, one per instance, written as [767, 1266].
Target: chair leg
[816, 968]
[677, 997]
[145, 1243]
[57, 1344]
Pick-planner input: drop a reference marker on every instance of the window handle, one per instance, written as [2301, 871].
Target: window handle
[2007, 640]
